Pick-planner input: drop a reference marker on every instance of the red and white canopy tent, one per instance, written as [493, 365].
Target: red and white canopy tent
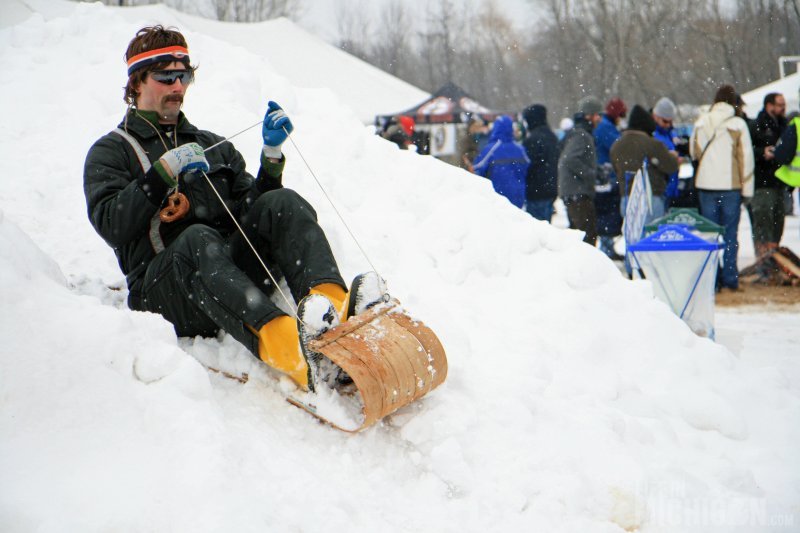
[440, 116]
[450, 104]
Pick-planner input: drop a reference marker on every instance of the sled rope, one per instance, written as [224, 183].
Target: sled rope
[330, 201]
[247, 240]
[319, 184]
[232, 136]
[253, 248]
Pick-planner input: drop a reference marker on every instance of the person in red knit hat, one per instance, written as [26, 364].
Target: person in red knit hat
[408, 124]
[400, 131]
[616, 109]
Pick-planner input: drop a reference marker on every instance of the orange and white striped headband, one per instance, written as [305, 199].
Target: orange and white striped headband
[170, 53]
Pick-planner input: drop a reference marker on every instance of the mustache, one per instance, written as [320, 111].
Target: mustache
[173, 98]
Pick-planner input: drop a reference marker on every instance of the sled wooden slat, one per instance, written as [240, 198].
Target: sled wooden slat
[434, 351]
[392, 358]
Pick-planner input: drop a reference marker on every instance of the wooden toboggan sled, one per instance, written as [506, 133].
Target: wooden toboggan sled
[392, 358]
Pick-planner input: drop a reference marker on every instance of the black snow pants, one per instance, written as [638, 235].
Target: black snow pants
[581, 214]
[203, 281]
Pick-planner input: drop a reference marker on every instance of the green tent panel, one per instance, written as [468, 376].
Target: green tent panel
[690, 217]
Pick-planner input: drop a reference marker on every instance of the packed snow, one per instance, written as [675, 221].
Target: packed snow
[575, 402]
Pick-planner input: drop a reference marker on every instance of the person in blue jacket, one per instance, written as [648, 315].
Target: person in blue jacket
[607, 195]
[504, 162]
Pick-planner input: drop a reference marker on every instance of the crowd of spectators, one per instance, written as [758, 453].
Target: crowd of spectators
[720, 163]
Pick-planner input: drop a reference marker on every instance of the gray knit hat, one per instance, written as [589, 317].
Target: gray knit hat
[665, 109]
[589, 105]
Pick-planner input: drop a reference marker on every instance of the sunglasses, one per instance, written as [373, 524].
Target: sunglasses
[168, 77]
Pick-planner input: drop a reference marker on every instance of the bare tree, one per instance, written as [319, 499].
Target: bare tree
[354, 29]
[637, 49]
[255, 10]
[795, 5]
[439, 41]
[504, 79]
[228, 10]
[643, 50]
[392, 51]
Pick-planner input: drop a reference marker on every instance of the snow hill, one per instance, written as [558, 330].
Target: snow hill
[575, 402]
[302, 58]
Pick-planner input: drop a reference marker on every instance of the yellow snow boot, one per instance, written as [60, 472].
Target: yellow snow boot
[279, 347]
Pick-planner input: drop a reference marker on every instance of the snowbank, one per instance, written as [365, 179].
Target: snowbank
[575, 401]
[304, 59]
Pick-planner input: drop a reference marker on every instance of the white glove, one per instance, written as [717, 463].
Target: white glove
[185, 158]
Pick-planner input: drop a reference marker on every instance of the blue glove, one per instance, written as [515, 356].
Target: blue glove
[273, 130]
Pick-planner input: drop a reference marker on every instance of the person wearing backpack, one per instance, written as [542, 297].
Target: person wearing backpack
[722, 147]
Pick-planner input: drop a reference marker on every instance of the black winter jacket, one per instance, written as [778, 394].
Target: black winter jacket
[541, 145]
[577, 163]
[766, 131]
[122, 200]
[788, 146]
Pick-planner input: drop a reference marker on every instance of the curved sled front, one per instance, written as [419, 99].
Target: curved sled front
[392, 358]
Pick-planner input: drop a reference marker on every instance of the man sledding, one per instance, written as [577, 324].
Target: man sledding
[200, 240]
[196, 270]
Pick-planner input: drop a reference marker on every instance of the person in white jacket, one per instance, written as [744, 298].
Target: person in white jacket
[721, 147]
